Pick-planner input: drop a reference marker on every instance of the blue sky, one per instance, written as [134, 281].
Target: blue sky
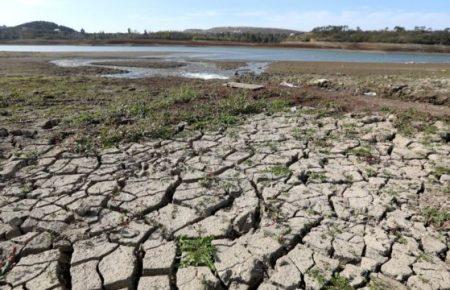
[118, 15]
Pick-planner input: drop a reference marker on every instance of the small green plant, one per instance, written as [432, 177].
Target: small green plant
[317, 275]
[436, 217]
[430, 129]
[375, 286]
[26, 188]
[297, 134]
[424, 257]
[279, 170]
[162, 132]
[371, 172]
[83, 145]
[273, 146]
[184, 94]
[30, 156]
[110, 137]
[240, 105]
[339, 283]
[277, 105]
[228, 120]
[138, 110]
[85, 118]
[208, 181]
[439, 171]
[361, 152]
[197, 252]
[317, 176]
[386, 109]
[407, 121]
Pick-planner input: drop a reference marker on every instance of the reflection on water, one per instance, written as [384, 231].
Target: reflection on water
[189, 69]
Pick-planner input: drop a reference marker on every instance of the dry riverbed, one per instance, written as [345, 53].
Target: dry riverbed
[186, 184]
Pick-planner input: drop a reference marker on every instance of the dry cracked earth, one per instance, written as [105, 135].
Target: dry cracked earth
[291, 201]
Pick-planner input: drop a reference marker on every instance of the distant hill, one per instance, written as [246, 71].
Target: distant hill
[43, 26]
[242, 29]
[37, 30]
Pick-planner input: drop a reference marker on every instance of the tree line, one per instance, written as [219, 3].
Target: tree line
[419, 35]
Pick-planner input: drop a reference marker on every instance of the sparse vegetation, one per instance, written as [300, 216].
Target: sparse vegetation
[361, 152]
[279, 170]
[317, 275]
[99, 118]
[317, 176]
[435, 217]
[411, 121]
[208, 181]
[197, 252]
[339, 283]
[439, 171]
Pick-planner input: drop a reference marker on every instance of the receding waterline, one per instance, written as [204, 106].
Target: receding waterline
[247, 53]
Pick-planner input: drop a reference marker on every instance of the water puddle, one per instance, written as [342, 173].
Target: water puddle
[164, 67]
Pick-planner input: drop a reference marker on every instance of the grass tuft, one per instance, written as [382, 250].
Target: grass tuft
[339, 283]
[279, 170]
[197, 252]
[435, 217]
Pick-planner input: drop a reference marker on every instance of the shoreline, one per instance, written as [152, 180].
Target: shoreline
[363, 46]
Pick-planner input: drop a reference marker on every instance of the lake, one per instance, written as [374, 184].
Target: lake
[247, 53]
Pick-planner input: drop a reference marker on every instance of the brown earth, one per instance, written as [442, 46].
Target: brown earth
[348, 81]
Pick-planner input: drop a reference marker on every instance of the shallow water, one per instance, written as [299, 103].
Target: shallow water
[248, 53]
[197, 63]
[190, 69]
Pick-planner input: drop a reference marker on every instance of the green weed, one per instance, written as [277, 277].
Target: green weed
[435, 216]
[279, 170]
[339, 283]
[197, 252]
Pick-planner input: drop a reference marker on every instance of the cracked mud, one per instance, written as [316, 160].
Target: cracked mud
[292, 201]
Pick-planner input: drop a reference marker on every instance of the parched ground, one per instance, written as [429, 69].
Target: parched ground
[297, 200]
